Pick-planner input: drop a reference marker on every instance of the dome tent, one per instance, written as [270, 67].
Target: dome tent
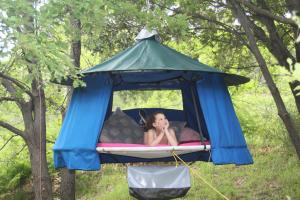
[150, 65]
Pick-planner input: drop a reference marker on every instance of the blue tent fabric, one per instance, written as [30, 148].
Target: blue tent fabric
[226, 137]
[75, 146]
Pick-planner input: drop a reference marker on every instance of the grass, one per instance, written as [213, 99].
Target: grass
[275, 174]
[109, 183]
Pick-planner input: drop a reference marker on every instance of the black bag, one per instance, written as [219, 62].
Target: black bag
[158, 182]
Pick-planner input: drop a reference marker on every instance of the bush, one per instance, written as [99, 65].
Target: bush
[14, 176]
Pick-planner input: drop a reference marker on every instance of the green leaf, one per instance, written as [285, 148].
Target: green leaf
[15, 181]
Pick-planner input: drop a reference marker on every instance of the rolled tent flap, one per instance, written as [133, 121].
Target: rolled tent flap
[227, 140]
[75, 147]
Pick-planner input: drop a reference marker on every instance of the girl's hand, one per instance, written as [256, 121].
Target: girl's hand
[167, 124]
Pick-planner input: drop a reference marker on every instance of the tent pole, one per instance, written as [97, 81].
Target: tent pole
[197, 113]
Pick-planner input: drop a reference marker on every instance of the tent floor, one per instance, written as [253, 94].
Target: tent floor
[144, 151]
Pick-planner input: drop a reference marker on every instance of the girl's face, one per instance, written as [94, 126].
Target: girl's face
[160, 121]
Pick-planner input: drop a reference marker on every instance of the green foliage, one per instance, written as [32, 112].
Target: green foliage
[14, 182]
[19, 194]
[14, 176]
[33, 42]
[169, 99]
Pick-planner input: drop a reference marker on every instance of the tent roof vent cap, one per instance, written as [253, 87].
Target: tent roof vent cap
[146, 34]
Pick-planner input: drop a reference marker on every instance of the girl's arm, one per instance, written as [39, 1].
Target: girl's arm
[150, 140]
[171, 136]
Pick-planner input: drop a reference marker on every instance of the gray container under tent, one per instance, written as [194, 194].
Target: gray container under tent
[158, 182]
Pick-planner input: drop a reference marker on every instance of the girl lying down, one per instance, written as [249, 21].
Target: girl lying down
[158, 131]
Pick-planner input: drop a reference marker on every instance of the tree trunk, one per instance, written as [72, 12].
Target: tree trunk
[282, 112]
[294, 6]
[67, 185]
[34, 115]
[293, 85]
[37, 144]
[41, 179]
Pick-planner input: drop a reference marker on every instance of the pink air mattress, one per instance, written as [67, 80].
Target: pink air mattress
[145, 151]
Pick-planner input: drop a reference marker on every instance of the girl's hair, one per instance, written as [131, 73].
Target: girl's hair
[151, 120]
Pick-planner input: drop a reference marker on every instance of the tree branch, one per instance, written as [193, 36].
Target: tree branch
[14, 155]
[12, 129]
[23, 147]
[225, 26]
[273, 40]
[266, 13]
[209, 19]
[12, 91]
[7, 141]
[18, 83]
[240, 68]
[50, 141]
[8, 99]
[11, 63]
[25, 107]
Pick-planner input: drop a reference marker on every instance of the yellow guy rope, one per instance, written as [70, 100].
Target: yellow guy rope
[177, 157]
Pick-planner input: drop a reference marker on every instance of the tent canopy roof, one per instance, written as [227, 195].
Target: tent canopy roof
[149, 55]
